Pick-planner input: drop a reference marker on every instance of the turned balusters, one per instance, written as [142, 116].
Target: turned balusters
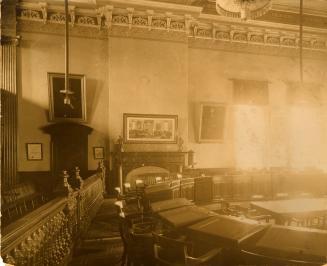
[51, 241]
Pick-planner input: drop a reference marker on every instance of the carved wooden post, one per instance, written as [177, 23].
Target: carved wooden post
[78, 178]
[102, 172]
[119, 151]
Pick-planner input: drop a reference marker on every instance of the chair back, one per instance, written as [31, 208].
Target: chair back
[158, 179]
[281, 196]
[169, 250]
[127, 186]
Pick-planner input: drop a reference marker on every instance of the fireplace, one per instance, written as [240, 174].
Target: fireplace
[149, 163]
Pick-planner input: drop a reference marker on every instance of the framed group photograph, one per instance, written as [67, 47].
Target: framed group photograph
[63, 106]
[147, 128]
[98, 152]
[211, 122]
[34, 151]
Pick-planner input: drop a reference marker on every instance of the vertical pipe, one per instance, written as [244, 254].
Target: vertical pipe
[6, 114]
[301, 41]
[66, 47]
[15, 110]
[10, 115]
[3, 115]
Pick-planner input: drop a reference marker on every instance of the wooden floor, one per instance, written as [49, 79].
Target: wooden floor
[101, 245]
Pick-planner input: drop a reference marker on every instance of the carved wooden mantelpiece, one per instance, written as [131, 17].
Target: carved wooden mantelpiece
[166, 21]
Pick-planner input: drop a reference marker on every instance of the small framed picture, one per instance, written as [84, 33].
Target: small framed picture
[98, 152]
[34, 151]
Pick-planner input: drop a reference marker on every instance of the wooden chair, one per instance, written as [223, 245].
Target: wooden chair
[281, 196]
[138, 246]
[158, 179]
[175, 252]
[257, 197]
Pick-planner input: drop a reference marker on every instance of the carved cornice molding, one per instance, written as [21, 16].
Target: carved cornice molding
[139, 21]
[243, 47]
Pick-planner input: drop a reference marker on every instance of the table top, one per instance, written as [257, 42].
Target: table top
[228, 229]
[185, 216]
[293, 207]
[165, 205]
[295, 242]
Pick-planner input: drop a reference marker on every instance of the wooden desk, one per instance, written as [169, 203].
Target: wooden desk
[165, 205]
[283, 210]
[185, 216]
[226, 230]
[293, 243]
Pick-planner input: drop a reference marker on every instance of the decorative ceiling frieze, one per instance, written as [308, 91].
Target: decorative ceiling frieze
[169, 22]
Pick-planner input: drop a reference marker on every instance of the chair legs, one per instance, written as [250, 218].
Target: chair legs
[123, 258]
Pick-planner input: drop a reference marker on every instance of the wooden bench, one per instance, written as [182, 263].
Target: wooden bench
[19, 200]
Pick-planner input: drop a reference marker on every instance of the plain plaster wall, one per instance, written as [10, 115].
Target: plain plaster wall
[210, 80]
[126, 75]
[147, 77]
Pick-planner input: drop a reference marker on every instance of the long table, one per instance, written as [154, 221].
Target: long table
[170, 204]
[284, 210]
[267, 242]
[287, 242]
[227, 230]
[185, 216]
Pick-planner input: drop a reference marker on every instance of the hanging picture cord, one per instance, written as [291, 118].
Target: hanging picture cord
[66, 48]
[66, 91]
[301, 41]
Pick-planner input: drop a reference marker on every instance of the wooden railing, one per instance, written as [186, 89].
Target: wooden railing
[47, 235]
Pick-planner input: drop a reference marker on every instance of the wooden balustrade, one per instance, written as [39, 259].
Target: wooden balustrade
[91, 197]
[47, 235]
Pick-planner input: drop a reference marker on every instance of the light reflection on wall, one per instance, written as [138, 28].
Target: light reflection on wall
[250, 136]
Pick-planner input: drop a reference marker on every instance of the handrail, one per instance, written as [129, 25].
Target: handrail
[90, 180]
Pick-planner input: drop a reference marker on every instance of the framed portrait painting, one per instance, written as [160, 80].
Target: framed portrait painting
[147, 128]
[211, 122]
[59, 109]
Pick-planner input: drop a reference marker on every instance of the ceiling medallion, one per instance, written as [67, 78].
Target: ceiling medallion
[244, 9]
